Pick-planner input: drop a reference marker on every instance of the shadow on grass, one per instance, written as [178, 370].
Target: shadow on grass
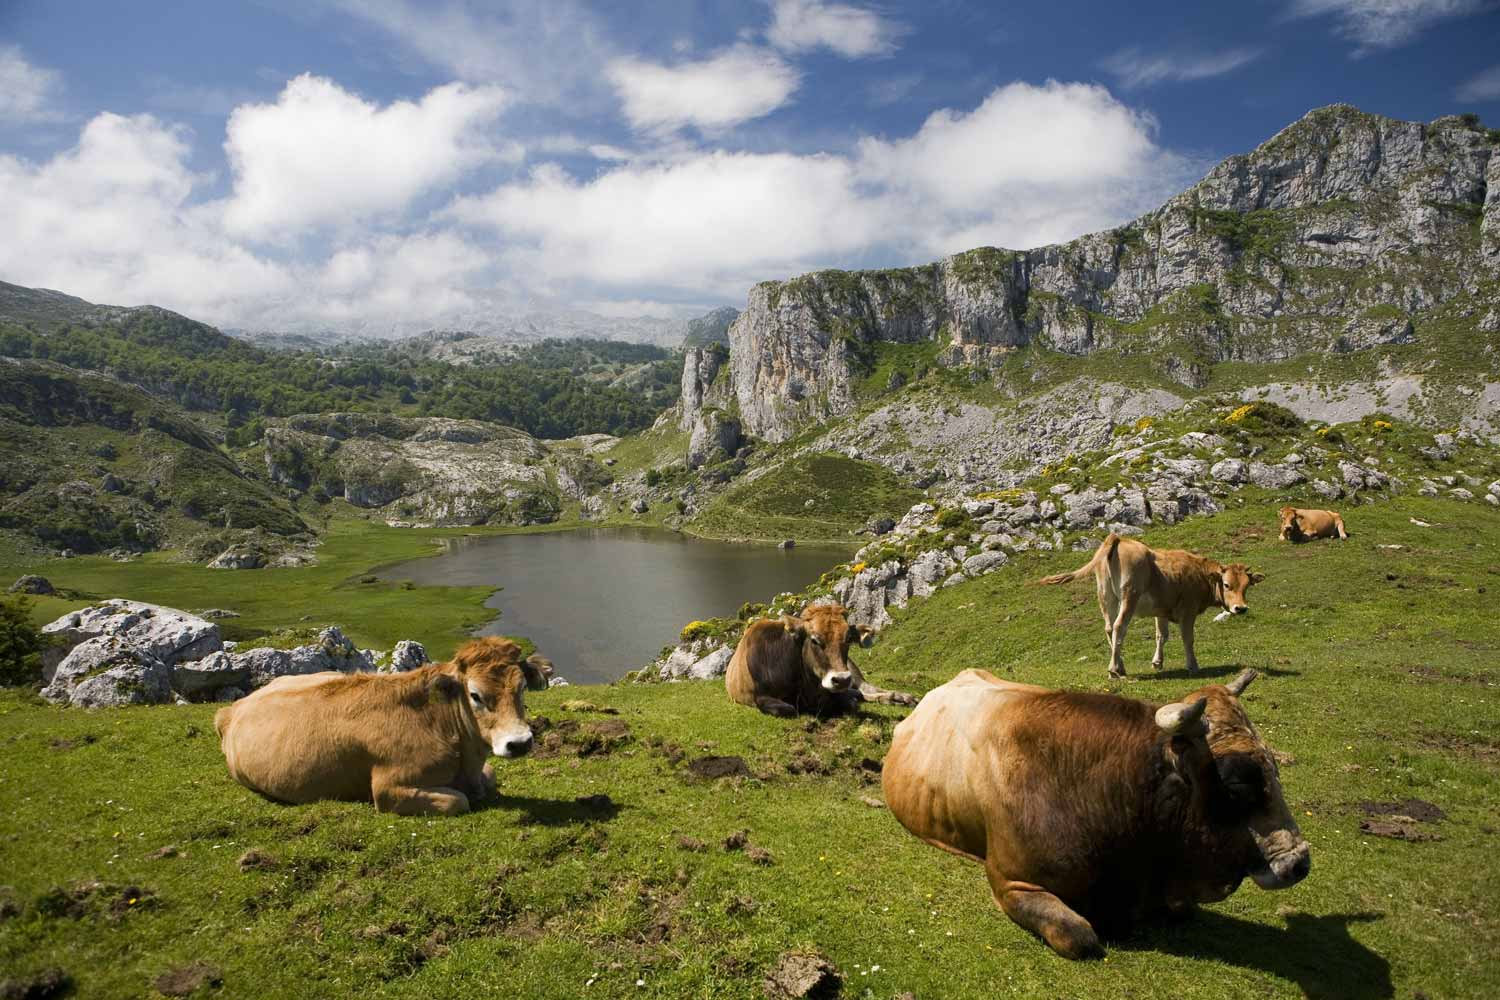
[1317, 953]
[555, 812]
[1207, 675]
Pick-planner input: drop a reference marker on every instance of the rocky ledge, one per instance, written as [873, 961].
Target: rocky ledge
[123, 652]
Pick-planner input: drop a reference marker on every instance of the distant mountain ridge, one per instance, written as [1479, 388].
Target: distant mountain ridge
[1344, 231]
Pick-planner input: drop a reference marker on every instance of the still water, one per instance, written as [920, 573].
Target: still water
[601, 601]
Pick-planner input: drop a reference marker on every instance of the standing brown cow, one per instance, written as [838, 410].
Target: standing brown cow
[413, 742]
[1300, 525]
[1090, 811]
[789, 665]
[1169, 584]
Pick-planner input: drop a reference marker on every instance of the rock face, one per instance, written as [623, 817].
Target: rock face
[107, 673]
[407, 655]
[715, 437]
[1331, 236]
[166, 634]
[431, 470]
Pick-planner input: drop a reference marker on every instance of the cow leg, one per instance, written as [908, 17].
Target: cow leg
[1162, 631]
[776, 707]
[1109, 607]
[408, 800]
[1046, 916]
[483, 786]
[1338, 522]
[1117, 634]
[869, 692]
[1187, 644]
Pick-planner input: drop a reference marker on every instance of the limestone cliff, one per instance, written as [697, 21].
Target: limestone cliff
[1344, 231]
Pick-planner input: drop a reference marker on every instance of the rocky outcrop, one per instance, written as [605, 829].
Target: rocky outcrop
[432, 470]
[105, 672]
[165, 634]
[705, 383]
[32, 584]
[127, 653]
[715, 437]
[1332, 236]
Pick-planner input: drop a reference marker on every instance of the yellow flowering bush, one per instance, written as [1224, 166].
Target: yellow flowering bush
[1323, 431]
[1240, 413]
[691, 630]
[1145, 423]
[1382, 425]
[856, 567]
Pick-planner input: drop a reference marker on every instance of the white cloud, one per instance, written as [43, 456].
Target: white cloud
[322, 155]
[732, 86]
[1029, 165]
[1483, 86]
[550, 50]
[26, 91]
[1135, 68]
[111, 220]
[1385, 24]
[852, 32]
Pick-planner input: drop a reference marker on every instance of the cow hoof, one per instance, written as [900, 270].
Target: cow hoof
[901, 698]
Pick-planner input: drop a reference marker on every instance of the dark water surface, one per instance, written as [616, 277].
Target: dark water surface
[601, 601]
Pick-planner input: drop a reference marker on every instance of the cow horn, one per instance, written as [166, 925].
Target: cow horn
[1180, 719]
[1237, 686]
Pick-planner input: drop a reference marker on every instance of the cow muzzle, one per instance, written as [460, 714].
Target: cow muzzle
[839, 681]
[1240, 609]
[516, 743]
[1286, 869]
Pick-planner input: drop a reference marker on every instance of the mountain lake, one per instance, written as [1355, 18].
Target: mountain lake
[599, 602]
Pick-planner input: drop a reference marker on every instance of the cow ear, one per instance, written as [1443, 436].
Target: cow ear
[538, 671]
[866, 635]
[795, 627]
[1257, 577]
[444, 689]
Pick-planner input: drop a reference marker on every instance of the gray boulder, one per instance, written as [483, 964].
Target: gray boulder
[196, 679]
[928, 570]
[238, 557]
[31, 584]
[165, 633]
[1230, 470]
[105, 672]
[1274, 477]
[408, 655]
[264, 665]
[639, 506]
[984, 562]
[713, 665]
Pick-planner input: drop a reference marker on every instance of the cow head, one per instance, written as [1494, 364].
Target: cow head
[1235, 580]
[1237, 819]
[495, 677]
[825, 636]
[1291, 528]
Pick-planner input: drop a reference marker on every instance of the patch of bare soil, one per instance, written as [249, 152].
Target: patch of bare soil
[691, 844]
[82, 898]
[10, 906]
[42, 985]
[1400, 819]
[186, 980]
[603, 737]
[163, 853]
[587, 706]
[798, 975]
[256, 860]
[808, 764]
[711, 767]
[82, 741]
[737, 840]
[1475, 747]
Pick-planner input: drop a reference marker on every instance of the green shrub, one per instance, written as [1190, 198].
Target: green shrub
[951, 518]
[20, 643]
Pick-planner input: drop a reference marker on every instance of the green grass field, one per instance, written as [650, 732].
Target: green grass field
[1379, 680]
[375, 614]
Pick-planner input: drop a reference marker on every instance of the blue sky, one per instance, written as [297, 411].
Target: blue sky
[388, 165]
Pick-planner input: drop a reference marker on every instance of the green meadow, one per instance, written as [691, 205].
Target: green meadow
[127, 853]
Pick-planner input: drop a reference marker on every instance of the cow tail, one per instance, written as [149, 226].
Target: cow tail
[1102, 554]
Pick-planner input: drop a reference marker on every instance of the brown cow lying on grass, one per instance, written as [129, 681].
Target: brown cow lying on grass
[1170, 585]
[789, 665]
[1299, 525]
[413, 743]
[1091, 812]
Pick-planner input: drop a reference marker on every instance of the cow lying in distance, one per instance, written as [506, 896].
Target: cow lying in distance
[1298, 525]
[1091, 812]
[413, 742]
[789, 665]
[1170, 585]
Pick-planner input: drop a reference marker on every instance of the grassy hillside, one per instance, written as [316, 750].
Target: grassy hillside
[809, 497]
[1378, 680]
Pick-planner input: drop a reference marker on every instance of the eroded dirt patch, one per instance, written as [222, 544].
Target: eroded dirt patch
[83, 898]
[1400, 819]
[185, 980]
[42, 985]
[712, 767]
[799, 975]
